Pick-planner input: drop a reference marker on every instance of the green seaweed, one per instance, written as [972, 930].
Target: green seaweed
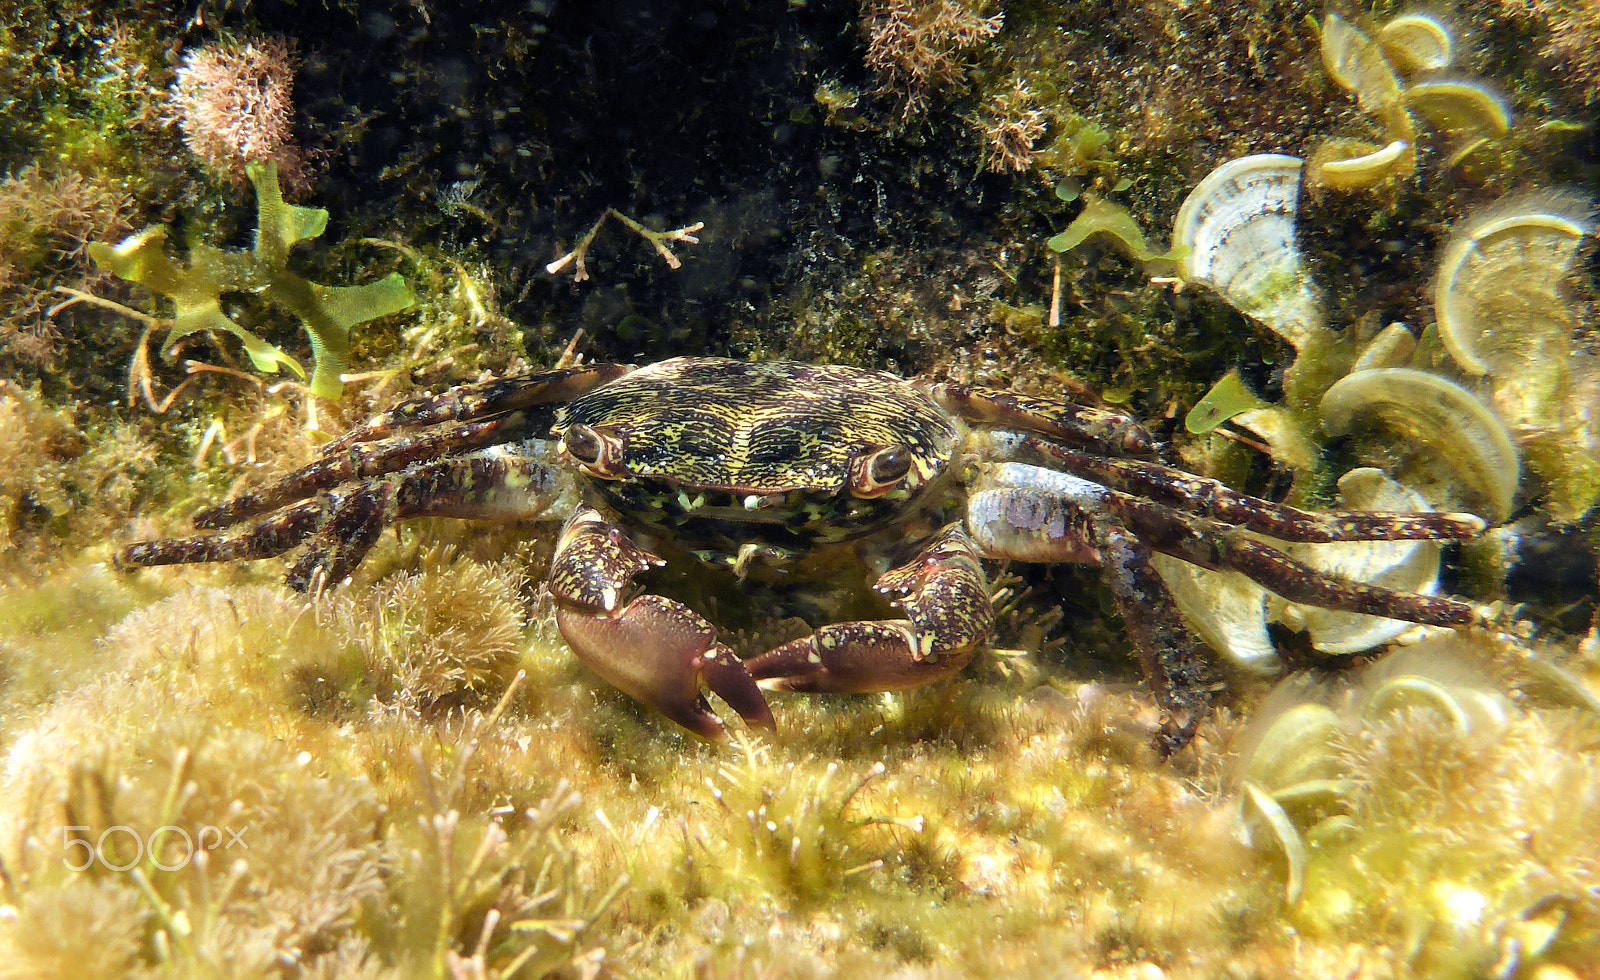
[196, 289]
[1101, 217]
[1227, 398]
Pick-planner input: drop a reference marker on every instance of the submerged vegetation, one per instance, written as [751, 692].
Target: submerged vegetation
[196, 289]
[206, 775]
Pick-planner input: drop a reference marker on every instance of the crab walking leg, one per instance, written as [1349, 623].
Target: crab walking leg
[1035, 514]
[652, 648]
[360, 461]
[465, 403]
[1068, 524]
[946, 600]
[277, 534]
[1096, 428]
[1169, 653]
[344, 523]
[1212, 500]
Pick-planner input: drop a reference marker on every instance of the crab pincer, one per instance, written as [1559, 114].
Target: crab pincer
[946, 600]
[654, 649]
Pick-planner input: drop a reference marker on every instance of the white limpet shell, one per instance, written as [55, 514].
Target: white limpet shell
[1236, 234]
[1514, 256]
[1231, 612]
[1228, 611]
[1443, 420]
[1417, 42]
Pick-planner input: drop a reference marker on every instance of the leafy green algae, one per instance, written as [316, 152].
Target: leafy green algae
[196, 289]
[1226, 399]
[1112, 221]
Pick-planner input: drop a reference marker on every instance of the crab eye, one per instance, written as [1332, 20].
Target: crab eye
[890, 465]
[874, 474]
[582, 444]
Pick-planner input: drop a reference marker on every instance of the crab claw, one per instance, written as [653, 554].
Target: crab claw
[658, 651]
[653, 649]
[948, 613]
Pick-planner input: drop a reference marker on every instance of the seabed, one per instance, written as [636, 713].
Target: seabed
[230, 232]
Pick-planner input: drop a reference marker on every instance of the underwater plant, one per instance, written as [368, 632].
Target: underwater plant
[196, 289]
[785, 828]
[657, 239]
[46, 221]
[572, 834]
[1011, 126]
[916, 46]
[35, 444]
[234, 103]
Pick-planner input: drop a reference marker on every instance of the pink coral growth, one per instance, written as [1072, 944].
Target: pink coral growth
[234, 103]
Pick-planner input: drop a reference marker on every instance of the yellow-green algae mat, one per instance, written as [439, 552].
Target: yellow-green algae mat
[424, 783]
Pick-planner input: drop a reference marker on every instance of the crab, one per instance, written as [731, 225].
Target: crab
[775, 465]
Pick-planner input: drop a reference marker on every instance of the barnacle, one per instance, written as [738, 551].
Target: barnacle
[196, 289]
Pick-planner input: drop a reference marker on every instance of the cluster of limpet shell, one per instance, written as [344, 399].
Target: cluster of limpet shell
[1393, 784]
[1293, 766]
[1403, 71]
[1449, 416]
[1235, 234]
[1502, 377]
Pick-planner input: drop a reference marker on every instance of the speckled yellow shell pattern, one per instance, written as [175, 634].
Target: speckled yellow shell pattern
[702, 435]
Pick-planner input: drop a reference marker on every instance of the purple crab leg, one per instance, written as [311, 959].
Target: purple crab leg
[654, 649]
[465, 403]
[343, 523]
[360, 461]
[1054, 525]
[1036, 514]
[1213, 500]
[946, 600]
[1096, 428]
